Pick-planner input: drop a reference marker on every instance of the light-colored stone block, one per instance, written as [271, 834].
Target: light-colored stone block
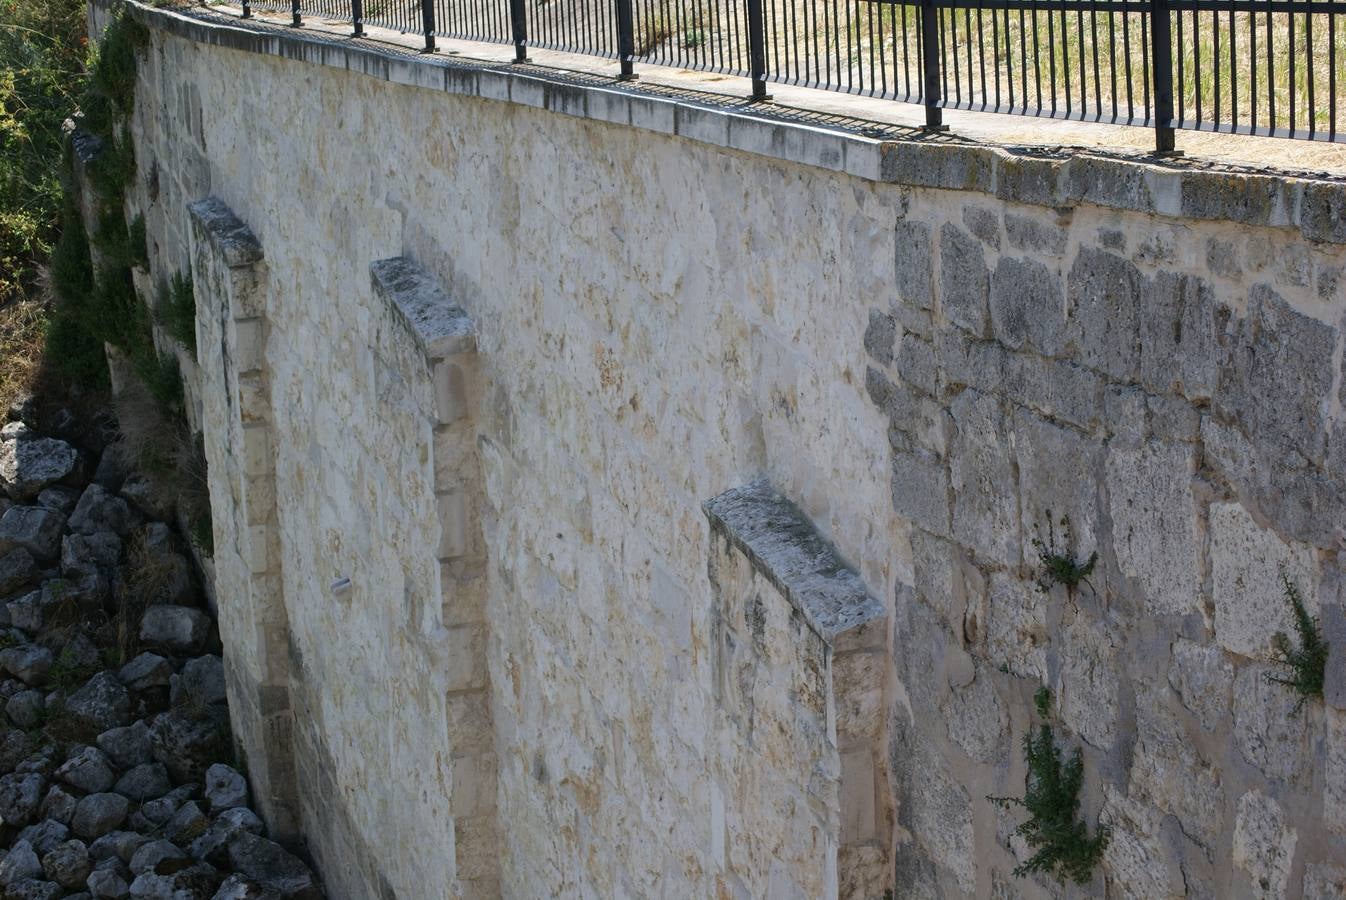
[1246, 566]
[1264, 845]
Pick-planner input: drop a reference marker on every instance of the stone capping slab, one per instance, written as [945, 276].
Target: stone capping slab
[782, 545]
[440, 326]
[1060, 179]
[232, 239]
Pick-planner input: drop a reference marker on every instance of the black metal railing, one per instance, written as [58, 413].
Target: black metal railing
[1266, 67]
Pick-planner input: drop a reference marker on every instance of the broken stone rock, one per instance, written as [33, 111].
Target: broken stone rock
[98, 814]
[32, 528]
[178, 628]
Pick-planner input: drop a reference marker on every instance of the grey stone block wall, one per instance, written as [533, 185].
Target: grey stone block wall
[925, 346]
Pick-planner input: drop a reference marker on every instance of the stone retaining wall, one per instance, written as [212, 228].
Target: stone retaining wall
[928, 348]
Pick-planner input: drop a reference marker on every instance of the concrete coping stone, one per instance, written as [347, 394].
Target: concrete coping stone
[232, 239]
[440, 326]
[785, 548]
[1050, 178]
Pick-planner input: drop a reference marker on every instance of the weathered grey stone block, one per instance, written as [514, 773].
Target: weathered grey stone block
[879, 337]
[1026, 306]
[986, 503]
[1088, 681]
[1170, 772]
[976, 719]
[232, 240]
[916, 364]
[1202, 677]
[1264, 846]
[1183, 336]
[921, 490]
[1246, 566]
[439, 325]
[1138, 862]
[964, 281]
[913, 270]
[1154, 524]
[1034, 235]
[1016, 631]
[1334, 772]
[1054, 387]
[1268, 730]
[1059, 473]
[984, 224]
[1281, 374]
[1103, 293]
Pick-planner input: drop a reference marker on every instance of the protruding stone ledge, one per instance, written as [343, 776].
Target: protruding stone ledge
[439, 325]
[784, 548]
[234, 241]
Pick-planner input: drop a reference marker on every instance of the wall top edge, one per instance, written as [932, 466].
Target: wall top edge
[782, 545]
[232, 239]
[1057, 179]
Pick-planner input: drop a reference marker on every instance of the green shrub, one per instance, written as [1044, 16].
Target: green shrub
[1307, 663]
[176, 310]
[1062, 845]
[1057, 563]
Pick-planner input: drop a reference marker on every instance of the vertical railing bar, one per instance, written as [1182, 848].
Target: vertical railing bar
[626, 40]
[296, 20]
[931, 65]
[1215, 63]
[519, 30]
[757, 51]
[1252, 70]
[247, 9]
[995, 49]
[1182, 70]
[1331, 73]
[1308, 71]
[1291, 37]
[1161, 43]
[358, 17]
[1271, 72]
[428, 24]
[1037, 64]
[1233, 73]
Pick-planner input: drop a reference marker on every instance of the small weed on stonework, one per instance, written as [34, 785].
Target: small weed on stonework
[1058, 564]
[1062, 845]
[1305, 665]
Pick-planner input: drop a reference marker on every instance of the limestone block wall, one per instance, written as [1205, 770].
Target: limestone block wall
[925, 347]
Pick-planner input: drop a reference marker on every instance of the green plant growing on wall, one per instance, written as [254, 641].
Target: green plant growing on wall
[176, 310]
[1305, 665]
[1057, 565]
[1062, 845]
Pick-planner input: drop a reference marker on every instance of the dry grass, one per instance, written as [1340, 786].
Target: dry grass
[23, 328]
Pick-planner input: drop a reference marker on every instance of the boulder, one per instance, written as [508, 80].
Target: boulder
[20, 795]
[153, 498]
[148, 781]
[98, 510]
[240, 887]
[225, 788]
[102, 703]
[213, 845]
[110, 473]
[17, 568]
[108, 884]
[89, 553]
[201, 682]
[33, 889]
[27, 612]
[29, 463]
[180, 629]
[128, 745]
[118, 845]
[32, 528]
[44, 835]
[29, 663]
[68, 864]
[26, 709]
[148, 670]
[60, 498]
[150, 854]
[98, 814]
[188, 745]
[187, 824]
[195, 882]
[87, 770]
[15, 746]
[59, 805]
[20, 863]
[271, 865]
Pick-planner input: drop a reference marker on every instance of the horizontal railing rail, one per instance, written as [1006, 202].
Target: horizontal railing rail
[1257, 67]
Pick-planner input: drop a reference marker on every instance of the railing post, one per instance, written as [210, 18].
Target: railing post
[757, 50]
[297, 19]
[247, 9]
[626, 39]
[930, 89]
[428, 22]
[358, 17]
[1161, 42]
[518, 19]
